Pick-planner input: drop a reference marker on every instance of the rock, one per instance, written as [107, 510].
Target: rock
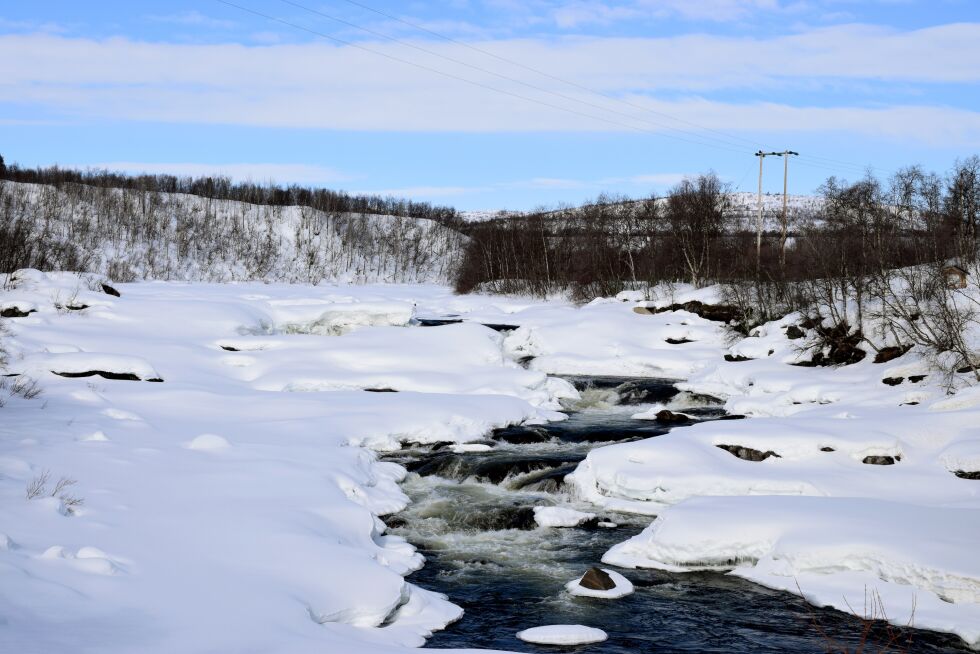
[497, 327]
[381, 390]
[886, 354]
[230, 348]
[678, 341]
[14, 312]
[810, 323]
[893, 381]
[119, 376]
[670, 417]
[827, 449]
[108, 290]
[734, 358]
[881, 460]
[793, 332]
[915, 379]
[596, 579]
[747, 453]
[732, 416]
[964, 474]
[716, 312]
[966, 369]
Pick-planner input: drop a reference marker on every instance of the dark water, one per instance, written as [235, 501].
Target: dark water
[472, 518]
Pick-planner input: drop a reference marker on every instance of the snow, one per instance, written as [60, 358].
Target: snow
[220, 512]
[559, 516]
[826, 544]
[623, 587]
[562, 634]
[238, 505]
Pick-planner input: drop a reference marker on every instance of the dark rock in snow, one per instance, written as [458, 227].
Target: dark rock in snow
[915, 379]
[678, 341]
[108, 290]
[380, 390]
[14, 312]
[893, 381]
[793, 332]
[881, 460]
[437, 322]
[827, 449]
[747, 453]
[968, 474]
[76, 307]
[596, 579]
[734, 358]
[732, 416]
[497, 327]
[230, 348]
[887, 354]
[120, 376]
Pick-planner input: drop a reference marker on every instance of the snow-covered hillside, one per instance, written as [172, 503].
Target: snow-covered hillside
[129, 234]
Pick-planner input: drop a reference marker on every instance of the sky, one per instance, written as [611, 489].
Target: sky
[492, 104]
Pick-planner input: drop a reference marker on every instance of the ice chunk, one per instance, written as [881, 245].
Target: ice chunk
[562, 634]
[557, 516]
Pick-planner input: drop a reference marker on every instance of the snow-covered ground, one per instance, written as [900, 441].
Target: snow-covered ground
[233, 506]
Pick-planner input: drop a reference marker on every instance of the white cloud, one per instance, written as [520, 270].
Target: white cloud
[194, 18]
[570, 14]
[323, 86]
[287, 173]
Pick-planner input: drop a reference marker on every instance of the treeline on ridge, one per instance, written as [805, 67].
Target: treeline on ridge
[217, 187]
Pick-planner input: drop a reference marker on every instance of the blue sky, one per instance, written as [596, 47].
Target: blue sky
[526, 103]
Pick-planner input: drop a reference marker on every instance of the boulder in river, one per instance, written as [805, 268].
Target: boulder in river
[597, 579]
[669, 416]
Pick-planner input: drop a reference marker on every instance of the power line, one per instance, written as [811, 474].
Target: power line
[481, 69]
[468, 81]
[488, 53]
[546, 74]
[725, 143]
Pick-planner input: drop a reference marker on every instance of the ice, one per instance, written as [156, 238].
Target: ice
[559, 516]
[562, 634]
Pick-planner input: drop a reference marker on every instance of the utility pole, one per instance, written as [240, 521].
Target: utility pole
[758, 234]
[785, 220]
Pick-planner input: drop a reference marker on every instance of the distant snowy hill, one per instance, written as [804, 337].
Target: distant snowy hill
[129, 235]
[745, 205]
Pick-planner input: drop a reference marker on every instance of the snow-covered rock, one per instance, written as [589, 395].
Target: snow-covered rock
[562, 634]
[559, 516]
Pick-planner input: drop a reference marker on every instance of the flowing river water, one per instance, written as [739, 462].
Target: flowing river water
[472, 517]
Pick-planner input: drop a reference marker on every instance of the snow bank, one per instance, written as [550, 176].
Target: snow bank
[264, 503]
[828, 543]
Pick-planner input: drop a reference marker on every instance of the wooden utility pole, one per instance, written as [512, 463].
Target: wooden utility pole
[758, 234]
[785, 219]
